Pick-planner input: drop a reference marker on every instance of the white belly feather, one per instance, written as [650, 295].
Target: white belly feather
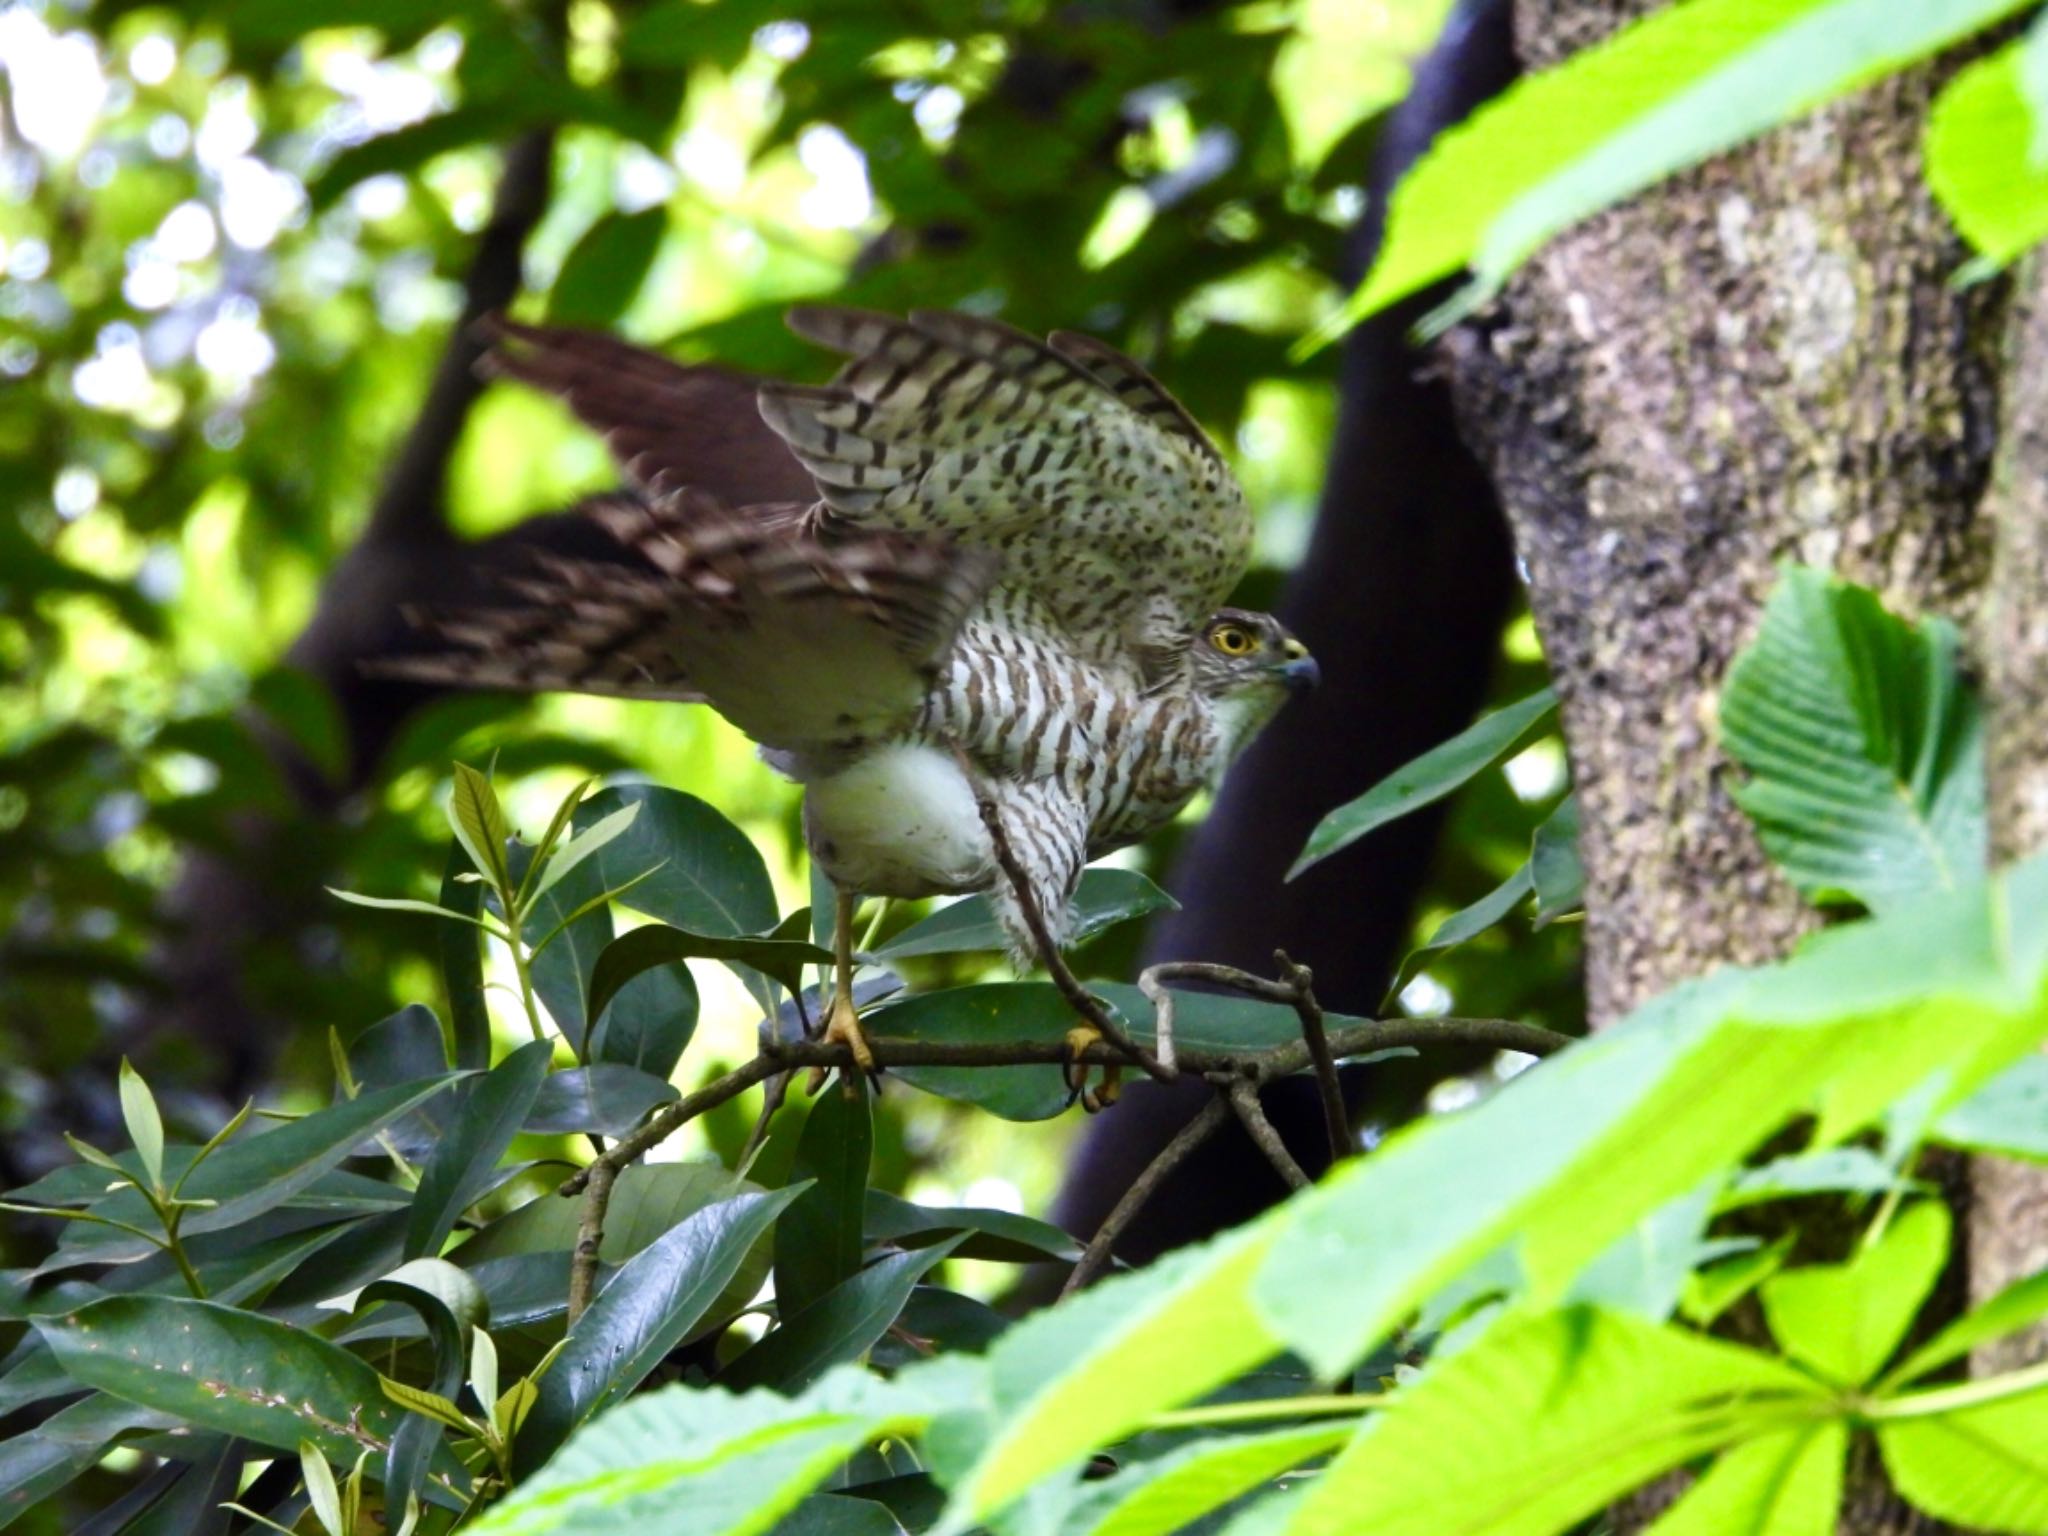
[900, 821]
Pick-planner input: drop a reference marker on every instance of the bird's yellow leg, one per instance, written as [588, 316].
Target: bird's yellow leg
[842, 1020]
[1079, 1039]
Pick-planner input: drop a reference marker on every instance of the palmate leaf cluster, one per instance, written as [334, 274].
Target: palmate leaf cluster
[1498, 1321]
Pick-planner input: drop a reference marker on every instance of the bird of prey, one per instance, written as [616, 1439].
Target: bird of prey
[999, 581]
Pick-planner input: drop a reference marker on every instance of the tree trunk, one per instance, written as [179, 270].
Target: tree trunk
[1760, 360]
[2009, 1208]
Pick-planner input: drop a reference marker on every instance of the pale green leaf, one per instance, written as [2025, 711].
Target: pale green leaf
[321, 1491]
[1844, 1320]
[1979, 160]
[580, 847]
[2018, 1306]
[1784, 1484]
[1159, 1497]
[479, 823]
[1982, 1468]
[145, 1123]
[2007, 1116]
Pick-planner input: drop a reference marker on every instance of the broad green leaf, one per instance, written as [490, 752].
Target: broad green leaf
[1665, 93]
[1002, 1236]
[1556, 874]
[259, 1173]
[836, 1514]
[1862, 743]
[647, 1201]
[455, 1176]
[1157, 1498]
[1085, 1373]
[1645, 1270]
[1713, 1290]
[840, 1326]
[606, 1099]
[1983, 1468]
[462, 965]
[1783, 1484]
[1979, 159]
[938, 1321]
[2007, 1116]
[1844, 1320]
[704, 1462]
[479, 823]
[227, 1371]
[660, 944]
[650, 1307]
[145, 1124]
[1543, 1420]
[710, 878]
[1429, 778]
[2018, 1306]
[1468, 922]
[1105, 898]
[818, 1241]
[63, 1446]
[1838, 1170]
[604, 269]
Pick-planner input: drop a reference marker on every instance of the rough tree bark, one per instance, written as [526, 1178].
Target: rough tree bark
[1760, 360]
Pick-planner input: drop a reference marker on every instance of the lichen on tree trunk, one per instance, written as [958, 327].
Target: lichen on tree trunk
[1763, 359]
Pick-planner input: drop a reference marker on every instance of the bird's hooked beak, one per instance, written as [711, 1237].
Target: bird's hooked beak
[1300, 671]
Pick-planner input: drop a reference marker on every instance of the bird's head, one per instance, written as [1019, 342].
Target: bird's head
[1249, 663]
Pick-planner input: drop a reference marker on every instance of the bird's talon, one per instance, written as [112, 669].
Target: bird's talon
[1079, 1039]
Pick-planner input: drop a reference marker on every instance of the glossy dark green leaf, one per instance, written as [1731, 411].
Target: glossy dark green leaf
[1554, 868]
[839, 1326]
[661, 944]
[450, 1303]
[710, 879]
[462, 964]
[818, 1242]
[1467, 923]
[1863, 745]
[606, 1100]
[1105, 898]
[936, 1321]
[259, 1173]
[185, 1498]
[228, 1371]
[604, 270]
[68, 1443]
[493, 1110]
[651, 1306]
[647, 1201]
[407, 1047]
[837, 1514]
[1002, 1236]
[1429, 778]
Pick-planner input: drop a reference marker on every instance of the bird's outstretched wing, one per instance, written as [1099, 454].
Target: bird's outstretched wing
[802, 646]
[1110, 507]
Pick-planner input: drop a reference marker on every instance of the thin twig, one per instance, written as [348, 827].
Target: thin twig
[597, 1194]
[1190, 1136]
[1314, 1033]
[1243, 1095]
[679, 1114]
[1078, 997]
[771, 1101]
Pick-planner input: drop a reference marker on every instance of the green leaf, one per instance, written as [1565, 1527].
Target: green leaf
[1863, 744]
[462, 965]
[1468, 923]
[1556, 874]
[1783, 1484]
[697, 1462]
[606, 1100]
[653, 1305]
[604, 270]
[1157, 1498]
[836, 1514]
[1001, 1236]
[302, 706]
[1844, 1320]
[660, 944]
[1429, 778]
[710, 879]
[1564, 1411]
[647, 1200]
[1105, 898]
[2007, 1116]
[65, 1445]
[321, 1491]
[2018, 1306]
[838, 1327]
[1979, 156]
[580, 847]
[1713, 1290]
[480, 825]
[405, 149]
[227, 1371]
[819, 1242]
[402, 904]
[1665, 93]
[1838, 1170]
[1981, 1469]
[145, 1124]
[461, 1167]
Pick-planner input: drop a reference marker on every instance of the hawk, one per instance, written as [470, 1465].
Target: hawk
[1000, 579]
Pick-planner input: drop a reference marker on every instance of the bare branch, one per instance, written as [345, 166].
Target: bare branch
[597, 1193]
[1243, 1095]
[1171, 1156]
[1314, 1034]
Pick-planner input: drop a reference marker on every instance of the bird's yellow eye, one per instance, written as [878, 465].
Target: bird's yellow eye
[1233, 641]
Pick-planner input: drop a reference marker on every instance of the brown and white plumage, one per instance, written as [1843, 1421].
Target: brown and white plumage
[1013, 546]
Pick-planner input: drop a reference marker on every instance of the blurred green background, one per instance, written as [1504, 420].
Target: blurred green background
[236, 241]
